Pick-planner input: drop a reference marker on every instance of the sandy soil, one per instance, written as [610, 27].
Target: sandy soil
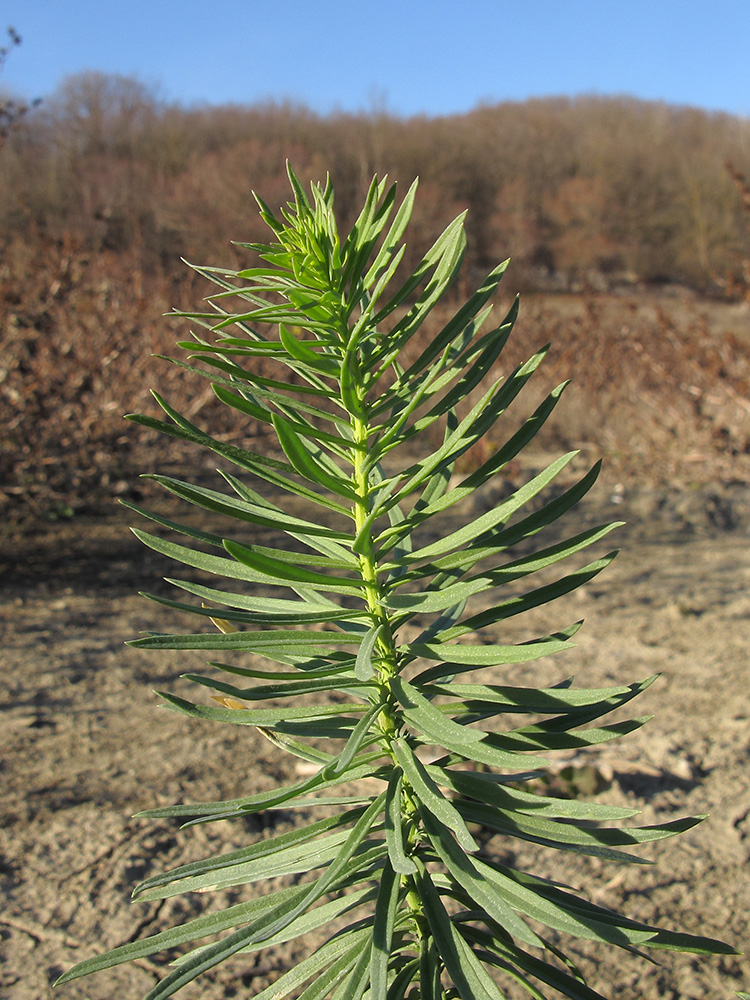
[85, 744]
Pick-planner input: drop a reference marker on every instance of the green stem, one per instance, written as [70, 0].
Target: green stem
[389, 719]
[386, 646]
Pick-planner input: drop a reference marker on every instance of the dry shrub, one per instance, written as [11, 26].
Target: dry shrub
[658, 386]
[77, 338]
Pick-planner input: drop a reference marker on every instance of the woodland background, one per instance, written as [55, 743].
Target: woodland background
[628, 224]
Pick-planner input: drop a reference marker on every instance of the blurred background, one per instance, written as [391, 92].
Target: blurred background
[604, 147]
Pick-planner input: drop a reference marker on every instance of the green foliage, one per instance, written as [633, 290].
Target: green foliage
[372, 605]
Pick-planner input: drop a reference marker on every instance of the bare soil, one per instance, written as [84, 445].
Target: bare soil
[85, 745]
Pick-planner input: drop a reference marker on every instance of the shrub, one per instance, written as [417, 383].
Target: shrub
[376, 629]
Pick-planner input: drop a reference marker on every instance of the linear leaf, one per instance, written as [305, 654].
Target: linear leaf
[565, 836]
[468, 975]
[302, 615]
[259, 641]
[335, 955]
[429, 719]
[268, 799]
[461, 866]
[360, 734]
[542, 701]
[532, 599]
[339, 867]
[280, 570]
[428, 794]
[515, 569]
[469, 309]
[364, 668]
[511, 960]
[249, 401]
[286, 689]
[356, 982]
[489, 752]
[403, 980]
[382, 931]
[268, 717]
[521, 653]
[251, 912]
[260, 849]
[484, 656]
[485, 522]
[394, 826]
[306, 465]
[235, 507]
[337, 973]
[491, 789]
[445, 254]
[295, 859]
[562, 910]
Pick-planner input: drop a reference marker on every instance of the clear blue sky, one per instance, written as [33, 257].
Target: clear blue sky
[409, 57]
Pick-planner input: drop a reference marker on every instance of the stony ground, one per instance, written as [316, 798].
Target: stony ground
[84, 745]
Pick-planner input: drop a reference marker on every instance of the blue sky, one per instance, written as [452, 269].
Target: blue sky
[416, 57]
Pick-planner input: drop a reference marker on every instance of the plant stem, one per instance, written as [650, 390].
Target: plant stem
[386, 647]
[387, 667]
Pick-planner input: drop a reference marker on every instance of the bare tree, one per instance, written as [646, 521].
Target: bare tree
[11, 111]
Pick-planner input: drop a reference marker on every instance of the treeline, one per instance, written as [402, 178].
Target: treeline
[585, 192]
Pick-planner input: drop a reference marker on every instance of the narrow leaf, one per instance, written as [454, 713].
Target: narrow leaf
[364, 669]
[394, 826]
[428, 794]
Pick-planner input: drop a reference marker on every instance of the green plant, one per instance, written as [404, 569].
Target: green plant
[416, 909]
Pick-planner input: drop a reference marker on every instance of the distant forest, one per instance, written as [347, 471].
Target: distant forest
[583, 193]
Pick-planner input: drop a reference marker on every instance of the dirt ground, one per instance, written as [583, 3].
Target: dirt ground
[85, 745]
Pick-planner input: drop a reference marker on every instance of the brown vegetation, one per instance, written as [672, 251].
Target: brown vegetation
[627, 205]
[740, 287]
[582, 189]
